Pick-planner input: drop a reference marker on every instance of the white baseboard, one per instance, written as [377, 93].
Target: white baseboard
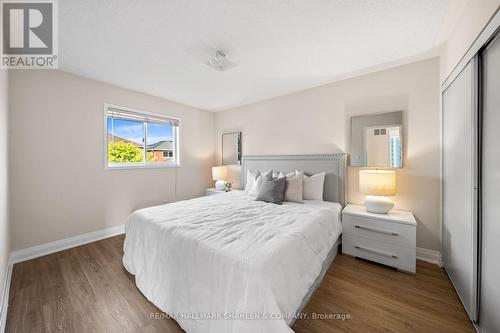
[63, 244]
[431, 256]
[4, 300]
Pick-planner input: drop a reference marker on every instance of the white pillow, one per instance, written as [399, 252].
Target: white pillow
[251, 177]
[280, 174]
[313, 186]
[255, 180]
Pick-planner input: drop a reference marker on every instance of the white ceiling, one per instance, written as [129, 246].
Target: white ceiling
[281, 46]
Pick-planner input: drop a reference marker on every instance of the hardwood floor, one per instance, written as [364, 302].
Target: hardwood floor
[86, 289]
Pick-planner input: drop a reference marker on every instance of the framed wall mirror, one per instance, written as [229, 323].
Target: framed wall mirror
[377, 140]
[231, 148]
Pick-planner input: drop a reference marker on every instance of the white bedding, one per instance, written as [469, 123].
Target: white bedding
[227, 263]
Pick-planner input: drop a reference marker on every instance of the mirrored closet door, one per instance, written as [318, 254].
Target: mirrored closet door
[459, 231]
[489, 304]
[471, 183]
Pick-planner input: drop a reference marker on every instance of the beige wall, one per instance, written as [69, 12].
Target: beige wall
[471, 21]
[318, 121]
[4, 222]
[59, 187]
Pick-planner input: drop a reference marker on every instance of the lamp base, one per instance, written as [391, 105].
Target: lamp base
[220, 185]
[378, 204]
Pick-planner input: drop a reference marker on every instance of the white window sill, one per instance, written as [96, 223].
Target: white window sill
[141, 166]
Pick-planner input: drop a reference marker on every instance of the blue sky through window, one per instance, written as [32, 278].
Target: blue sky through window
[134, 131]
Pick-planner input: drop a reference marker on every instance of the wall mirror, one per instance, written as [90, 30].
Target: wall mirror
[377, 140]
[231, 148]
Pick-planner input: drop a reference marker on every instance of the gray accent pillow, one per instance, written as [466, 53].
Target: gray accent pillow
[272, 191]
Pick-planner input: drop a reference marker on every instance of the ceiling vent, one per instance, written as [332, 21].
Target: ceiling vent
[220, 62]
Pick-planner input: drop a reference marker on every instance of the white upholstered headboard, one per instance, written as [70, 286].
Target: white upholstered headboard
[335, 166]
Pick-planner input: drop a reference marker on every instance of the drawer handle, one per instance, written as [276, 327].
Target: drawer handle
[376, 252]
[376, 230]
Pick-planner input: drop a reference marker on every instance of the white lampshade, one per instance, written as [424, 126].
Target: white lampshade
[219, 173]
[377, 182]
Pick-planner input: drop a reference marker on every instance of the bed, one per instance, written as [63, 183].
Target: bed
[228, 263]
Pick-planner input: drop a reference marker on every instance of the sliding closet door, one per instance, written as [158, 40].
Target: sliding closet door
[489, 311]
[459, 226]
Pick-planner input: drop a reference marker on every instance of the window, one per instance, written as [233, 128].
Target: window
[395, 153]
[395, 147]
[140, 139]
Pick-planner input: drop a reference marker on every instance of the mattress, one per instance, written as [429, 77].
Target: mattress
[228, 263]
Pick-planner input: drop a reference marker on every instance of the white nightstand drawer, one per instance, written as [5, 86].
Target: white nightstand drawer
[400, 257]
[383, 231]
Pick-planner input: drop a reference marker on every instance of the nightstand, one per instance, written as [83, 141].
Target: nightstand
[212, 191]
[389, 239]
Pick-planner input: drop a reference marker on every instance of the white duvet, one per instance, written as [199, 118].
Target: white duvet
[227, 263]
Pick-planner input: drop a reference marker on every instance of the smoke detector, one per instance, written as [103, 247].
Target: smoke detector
[220, 62]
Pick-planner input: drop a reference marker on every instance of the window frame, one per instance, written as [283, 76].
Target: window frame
[142, 165]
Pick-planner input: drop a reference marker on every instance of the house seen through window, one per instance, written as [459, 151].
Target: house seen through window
[137, 139]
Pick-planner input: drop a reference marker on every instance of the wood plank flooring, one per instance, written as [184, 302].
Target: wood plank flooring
[86, 289]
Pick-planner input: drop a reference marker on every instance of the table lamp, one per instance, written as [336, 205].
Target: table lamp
[378, 184]
[219, 174]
